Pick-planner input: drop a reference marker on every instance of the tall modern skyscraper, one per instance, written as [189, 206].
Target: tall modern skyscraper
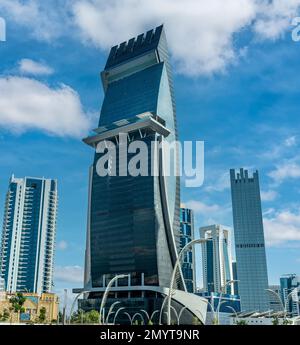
[28, 237]
[134, 221]
[216, 259]
[186, 236]
[249, 241]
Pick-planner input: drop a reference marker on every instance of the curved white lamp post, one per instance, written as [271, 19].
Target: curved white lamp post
[277, 297]
[110, 310]
[231, 308]
[129, 317]
[74, 302]
[116, 314]
[222, 292]
[135, 315]
[176, 266]
[104, 298]
[180, 313]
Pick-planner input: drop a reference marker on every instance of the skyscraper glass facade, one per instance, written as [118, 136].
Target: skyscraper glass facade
[249, 241]
[28, 237]
[133, 224]
[186, 236]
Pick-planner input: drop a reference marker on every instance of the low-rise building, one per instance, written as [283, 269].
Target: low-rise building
[42, 308]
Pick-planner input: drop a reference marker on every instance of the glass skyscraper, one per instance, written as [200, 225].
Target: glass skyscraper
[249, 241]
[28, 237]
[186, 236]
[134, 221]
[216, 259]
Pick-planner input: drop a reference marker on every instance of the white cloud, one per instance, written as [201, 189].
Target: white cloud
[269, 195]
[201, 33]
[202, 208]
[284, 171]
[28, 66]
[45, 20]
[62, 245]
[29, 104]
[282, 228]
[68, 274]
[291, 141]
[275, 17]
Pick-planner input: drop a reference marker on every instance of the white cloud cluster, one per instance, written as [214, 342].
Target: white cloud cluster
[289, 169]
[30, 67]
[68, 274]
[282, 228]
[46, 20]
[200, 33]
[274, 17]
[29, 104]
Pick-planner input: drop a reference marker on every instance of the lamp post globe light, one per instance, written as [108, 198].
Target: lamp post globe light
[176, 266]
[104, 298]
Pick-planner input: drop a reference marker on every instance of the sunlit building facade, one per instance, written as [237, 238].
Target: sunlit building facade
[28, 236]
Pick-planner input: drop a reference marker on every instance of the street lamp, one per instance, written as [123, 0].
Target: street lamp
[104, 298]
[74, 302]
[117, 312]
[176, 266]
[223, 291]
[278, 297]
[110, 310]
[135, 315]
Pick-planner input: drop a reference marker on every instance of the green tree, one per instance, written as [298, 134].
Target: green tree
[5, 316]
[42, 316]
[17, 302]
[287, 322]
[241, 323]
[92, 316]
[79, 316]
[275, 321]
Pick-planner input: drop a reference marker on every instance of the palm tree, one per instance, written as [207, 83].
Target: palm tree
[17, 302]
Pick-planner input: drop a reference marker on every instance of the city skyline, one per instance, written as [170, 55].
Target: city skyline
[249, 103]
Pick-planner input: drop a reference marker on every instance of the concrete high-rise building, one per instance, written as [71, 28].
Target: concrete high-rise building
[186, 236]
[249, 241]
[216, 259]
[134, 220]
[28, 237]
[290, 286]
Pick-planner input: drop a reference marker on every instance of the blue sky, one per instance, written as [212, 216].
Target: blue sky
[237, 88]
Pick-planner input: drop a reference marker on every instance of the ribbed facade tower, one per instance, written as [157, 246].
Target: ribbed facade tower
[28, 237]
